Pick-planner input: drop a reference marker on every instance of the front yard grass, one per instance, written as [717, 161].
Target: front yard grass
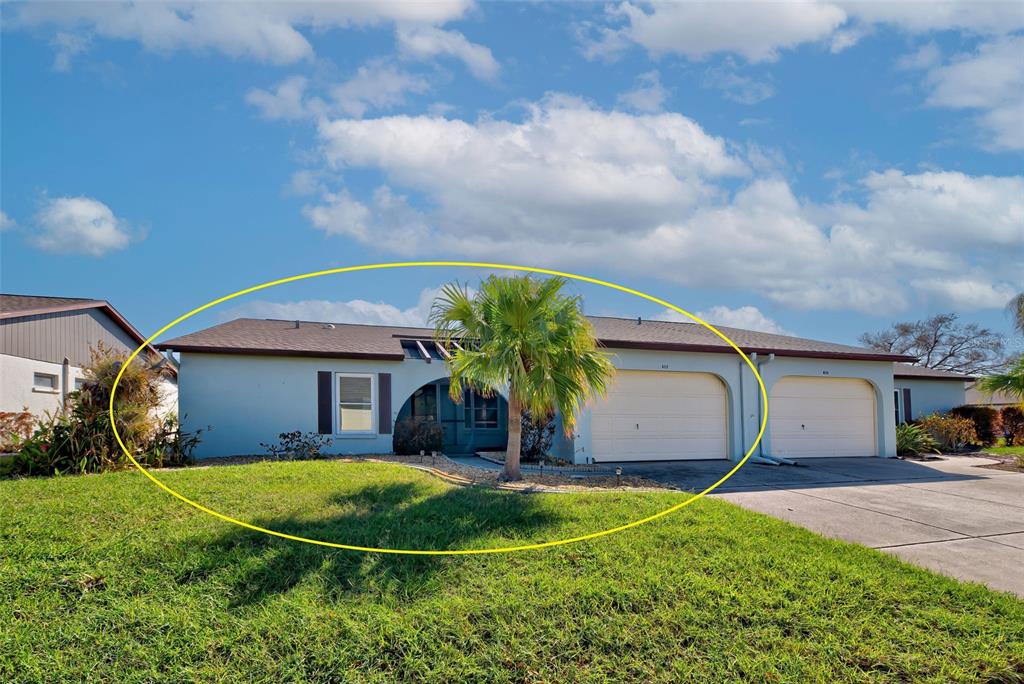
[106, 578]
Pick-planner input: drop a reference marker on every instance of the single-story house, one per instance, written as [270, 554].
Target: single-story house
[996, 400]
[680, 392]
[46, 341]
[921, 391]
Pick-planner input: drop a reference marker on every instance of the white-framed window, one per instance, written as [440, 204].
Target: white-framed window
[896, 402]
[357, 403]
[45, 382]
[79, 384]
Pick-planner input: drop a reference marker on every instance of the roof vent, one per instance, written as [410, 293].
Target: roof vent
[296, 325]
[639, 320]
[328, 326]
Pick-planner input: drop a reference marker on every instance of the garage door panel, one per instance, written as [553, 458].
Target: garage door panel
[650, 415]
[822, 417]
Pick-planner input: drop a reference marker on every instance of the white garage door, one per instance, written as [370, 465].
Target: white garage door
[653, 416]
[812, 417]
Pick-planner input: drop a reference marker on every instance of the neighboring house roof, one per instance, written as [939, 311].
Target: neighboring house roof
[21, 306]
[976, 396]
[347, 340]
[905, 370]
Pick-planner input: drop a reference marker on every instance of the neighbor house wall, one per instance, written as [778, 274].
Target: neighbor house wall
[69, 334]
[931, 396]
[18, 392]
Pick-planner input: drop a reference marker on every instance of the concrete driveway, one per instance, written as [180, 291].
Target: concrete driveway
[949, 516]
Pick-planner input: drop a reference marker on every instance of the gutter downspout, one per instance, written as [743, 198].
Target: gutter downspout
[65, 378]
[761, 456]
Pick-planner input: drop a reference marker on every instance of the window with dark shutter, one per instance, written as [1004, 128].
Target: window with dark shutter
[384, 403]
[323, 403]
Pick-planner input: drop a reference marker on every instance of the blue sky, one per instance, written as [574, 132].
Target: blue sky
[822, 169]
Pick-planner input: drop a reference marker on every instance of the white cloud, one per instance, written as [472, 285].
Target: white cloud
[735, 86]
[744, 317]
[925, 57]
[351, 311]
[427, 42]
[967, 293]
[648, 96]
[79, 225]
[6, 221]
[286, 101]
[990, 80]
[759, 31]
[67, 47]
[267, 31]
[756, 30]
[577, 187]
[376, 85]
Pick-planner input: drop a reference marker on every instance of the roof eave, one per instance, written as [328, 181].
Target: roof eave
[255, 351]
[717, 349]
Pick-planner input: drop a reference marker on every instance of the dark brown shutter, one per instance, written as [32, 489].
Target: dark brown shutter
[324, 412]
[384, 403]
[908, 413]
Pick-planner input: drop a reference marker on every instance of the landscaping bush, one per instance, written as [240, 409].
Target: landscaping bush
[952, 433]
[298, 446]
[987, 425]
[15, 428]
[413, 435]
[537, 437]
[1013, 425]
[79, 438]
[913, 439]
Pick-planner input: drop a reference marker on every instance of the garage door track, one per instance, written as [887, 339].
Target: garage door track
[950, 515]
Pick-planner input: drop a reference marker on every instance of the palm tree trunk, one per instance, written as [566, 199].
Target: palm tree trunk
[515, 429]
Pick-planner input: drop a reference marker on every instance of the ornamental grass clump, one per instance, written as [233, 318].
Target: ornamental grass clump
[913, 440]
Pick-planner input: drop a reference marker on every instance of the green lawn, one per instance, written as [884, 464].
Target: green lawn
[1006, 450]
[106, 578]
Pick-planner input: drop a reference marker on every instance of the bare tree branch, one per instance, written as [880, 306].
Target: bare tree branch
[942, 342]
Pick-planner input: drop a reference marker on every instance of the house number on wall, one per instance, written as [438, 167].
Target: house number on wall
[824, 372]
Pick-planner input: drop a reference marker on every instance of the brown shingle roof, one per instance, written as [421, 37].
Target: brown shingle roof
[21, 306]
[905, 370]
[12, 305]
[274, 337]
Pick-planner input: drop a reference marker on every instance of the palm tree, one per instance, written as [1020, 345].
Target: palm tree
[524, 334]
[1015, 307]
[1011, 382]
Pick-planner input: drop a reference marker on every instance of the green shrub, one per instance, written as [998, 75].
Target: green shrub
[536, 437]
[1013, 425]
[298, 446]
[79, 438]
[413, 435]
[952, 433]
[987, 425]
[913, 439]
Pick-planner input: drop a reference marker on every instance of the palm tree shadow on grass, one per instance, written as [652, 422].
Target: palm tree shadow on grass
[389, 516]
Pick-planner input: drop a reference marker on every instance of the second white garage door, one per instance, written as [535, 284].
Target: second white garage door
[812, 417]
[654, 416]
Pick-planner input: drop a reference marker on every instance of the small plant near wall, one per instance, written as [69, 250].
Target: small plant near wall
[413, 435]
[537, 437]
[298, 446]
[913, 440]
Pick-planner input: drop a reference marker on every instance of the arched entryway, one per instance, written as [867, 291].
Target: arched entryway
[476, 423]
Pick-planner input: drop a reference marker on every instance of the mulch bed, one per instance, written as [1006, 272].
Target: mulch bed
[1009, 463]
[469, 475]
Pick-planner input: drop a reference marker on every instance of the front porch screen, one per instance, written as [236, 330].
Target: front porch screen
[480, 412]
[355, 403]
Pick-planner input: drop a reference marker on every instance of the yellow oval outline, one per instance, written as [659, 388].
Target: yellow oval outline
[439, 552]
